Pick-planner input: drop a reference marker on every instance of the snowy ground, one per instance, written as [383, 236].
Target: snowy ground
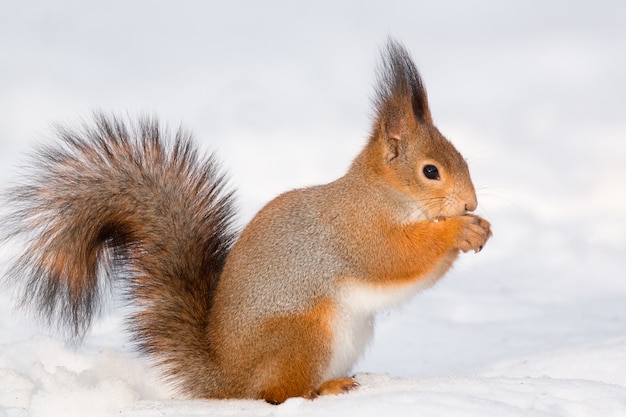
[531, 92]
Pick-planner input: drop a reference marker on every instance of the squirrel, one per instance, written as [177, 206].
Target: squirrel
[280, 309]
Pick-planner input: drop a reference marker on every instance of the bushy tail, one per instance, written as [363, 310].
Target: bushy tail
[121, 199]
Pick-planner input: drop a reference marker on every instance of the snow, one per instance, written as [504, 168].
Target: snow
[530, 92]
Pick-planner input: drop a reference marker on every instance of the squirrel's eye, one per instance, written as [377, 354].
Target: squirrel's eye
[431, 172]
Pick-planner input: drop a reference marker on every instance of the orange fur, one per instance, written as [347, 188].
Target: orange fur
[276, 358]
[336, 386]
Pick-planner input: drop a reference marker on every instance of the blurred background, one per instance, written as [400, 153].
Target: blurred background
[531, 92]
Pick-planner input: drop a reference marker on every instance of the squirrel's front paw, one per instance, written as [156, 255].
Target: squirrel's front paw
[474, 233]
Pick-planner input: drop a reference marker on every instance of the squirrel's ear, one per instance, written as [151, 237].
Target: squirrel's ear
[392, 128]
[400, 93]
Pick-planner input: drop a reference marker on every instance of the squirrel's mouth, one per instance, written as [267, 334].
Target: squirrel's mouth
[420, 213]
[452, 208]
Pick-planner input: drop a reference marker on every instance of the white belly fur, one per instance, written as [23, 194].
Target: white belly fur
[353, 323]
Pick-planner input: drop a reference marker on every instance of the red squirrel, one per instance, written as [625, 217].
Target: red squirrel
[282, 309]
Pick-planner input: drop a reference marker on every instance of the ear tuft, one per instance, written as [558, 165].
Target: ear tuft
[400, 85]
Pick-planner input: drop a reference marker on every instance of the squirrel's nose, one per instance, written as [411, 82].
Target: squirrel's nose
[471, 203]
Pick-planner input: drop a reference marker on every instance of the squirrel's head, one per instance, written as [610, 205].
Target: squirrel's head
[409, 152]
